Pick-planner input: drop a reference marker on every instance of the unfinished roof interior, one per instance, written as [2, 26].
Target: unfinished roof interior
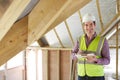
[53, 26]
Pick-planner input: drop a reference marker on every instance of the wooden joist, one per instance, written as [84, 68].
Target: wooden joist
[14, 41]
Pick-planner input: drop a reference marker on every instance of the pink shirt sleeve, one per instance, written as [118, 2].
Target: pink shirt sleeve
[105, 59]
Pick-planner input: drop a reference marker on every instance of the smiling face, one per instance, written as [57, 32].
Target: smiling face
[89, 28]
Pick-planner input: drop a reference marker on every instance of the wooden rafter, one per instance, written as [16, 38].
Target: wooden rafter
[112, 28]
[99, 13]
[11, 15]
[80, 16]
[117, 46]
[41, 19]
[73, 7]
[107, 28]
[58, 38]
[69, 32]
[118, 6]
[42, 16]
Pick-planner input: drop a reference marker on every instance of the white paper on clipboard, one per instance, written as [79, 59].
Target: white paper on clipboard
[79, 56]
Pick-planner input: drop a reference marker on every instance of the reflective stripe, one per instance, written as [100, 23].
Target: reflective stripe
[88, 52]
[100, 46]
[82, 62]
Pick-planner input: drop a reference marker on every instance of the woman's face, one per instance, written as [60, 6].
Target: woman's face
[89, 28]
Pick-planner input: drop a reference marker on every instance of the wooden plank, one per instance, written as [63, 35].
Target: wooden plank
[80, 16]
[112, 39]
[43, 15]
[37, 67]
[110, 29]
[70, 35]
[73, 7]
[60, 41]
[99, 13]
[54, 65]
[49, 48]
[71, 69]
[117, 52]
[118, 6]
[11, 15]
[65, 65]
[14, 41]
[58, 63]
[45, 64]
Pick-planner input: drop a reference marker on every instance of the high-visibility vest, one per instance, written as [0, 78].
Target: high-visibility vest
[86, 68]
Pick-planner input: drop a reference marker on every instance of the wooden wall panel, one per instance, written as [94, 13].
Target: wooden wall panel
[65, 65]
[45, 64]
[53, 65]
[56, 64]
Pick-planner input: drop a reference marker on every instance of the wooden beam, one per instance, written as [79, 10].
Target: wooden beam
[112, 28]
[47, 14]
[117, 52]
[11, 15]
[70, 35]
[51, 48]
[60, 41]
[36, 64]
[42, 16]
[80, 16]
[73, 7]
[14, 41]
[58, 63]
[99, 13]
[114, 47]
[54, 65]
[107, 28]
[118, 6]
[45, 64]
[48, 48]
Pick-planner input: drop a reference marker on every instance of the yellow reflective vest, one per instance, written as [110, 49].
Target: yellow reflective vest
[90, 69]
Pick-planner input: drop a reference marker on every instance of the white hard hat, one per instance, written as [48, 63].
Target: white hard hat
[88, 17]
